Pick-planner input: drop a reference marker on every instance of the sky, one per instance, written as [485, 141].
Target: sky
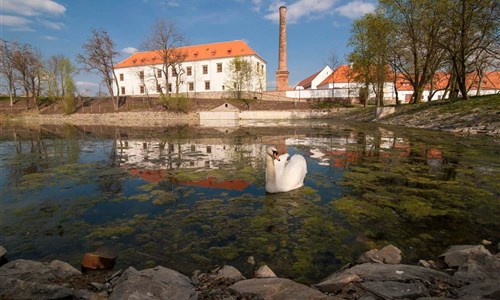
[315, 28]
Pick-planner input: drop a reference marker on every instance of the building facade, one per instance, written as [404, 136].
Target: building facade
[203, 71]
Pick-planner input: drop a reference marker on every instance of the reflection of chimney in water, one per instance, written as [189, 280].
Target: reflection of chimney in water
[282, 73]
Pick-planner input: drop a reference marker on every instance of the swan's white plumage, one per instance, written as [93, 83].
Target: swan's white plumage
[286, 174]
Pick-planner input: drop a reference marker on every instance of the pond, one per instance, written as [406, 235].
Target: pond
[193, 197]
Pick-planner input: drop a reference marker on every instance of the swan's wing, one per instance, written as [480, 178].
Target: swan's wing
[280, 165]
[292, 176]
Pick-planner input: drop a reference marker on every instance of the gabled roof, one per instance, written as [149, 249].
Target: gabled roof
[192, 53]
[341, 74]
[306, 83]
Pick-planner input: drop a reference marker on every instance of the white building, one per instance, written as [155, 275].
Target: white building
[204, 71]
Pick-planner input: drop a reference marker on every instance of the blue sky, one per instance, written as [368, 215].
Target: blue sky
[315, 27]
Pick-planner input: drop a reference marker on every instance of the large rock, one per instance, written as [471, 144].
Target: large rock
[264, 272]
[394, 289]
[488, 267]
[274, 289]
[489, 289]
[155, 283]
[456, 256]
[26, 279]
[384, 272]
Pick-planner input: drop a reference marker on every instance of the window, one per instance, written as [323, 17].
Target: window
[258, 66]
[141, 75]
[159, 74]
[123, 90]
[209, 149]
[189, 71]
[142, 89]
[223, 88]
[121, 76]
[207, 85]
[174, 72]
[205, 69]
[170, 87]
[191, 86]
[219, 68]
[262, 69]
[158, 88]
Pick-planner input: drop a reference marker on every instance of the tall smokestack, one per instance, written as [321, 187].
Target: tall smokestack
[282, 73]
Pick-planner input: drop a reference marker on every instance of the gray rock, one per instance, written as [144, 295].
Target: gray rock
[367, 257]
[275, 289]
[265, 272]
[458, 255]
[3, 251]
[26, 279]
[394, 289]
[334, 284]
[488, 267]
[384, 272]
[230, 273]
[155, 283]
[489, 289]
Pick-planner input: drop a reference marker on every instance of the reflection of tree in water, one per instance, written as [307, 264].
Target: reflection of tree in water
[112, 182]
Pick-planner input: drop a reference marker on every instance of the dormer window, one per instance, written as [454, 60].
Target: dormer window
[229, 51]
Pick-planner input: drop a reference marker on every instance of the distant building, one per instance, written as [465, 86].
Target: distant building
[342, 84]
[204, 71]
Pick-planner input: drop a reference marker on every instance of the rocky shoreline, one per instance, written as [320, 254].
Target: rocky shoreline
[461, 272]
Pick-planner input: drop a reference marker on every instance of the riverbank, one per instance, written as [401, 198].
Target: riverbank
[461, 272]
[479, 115]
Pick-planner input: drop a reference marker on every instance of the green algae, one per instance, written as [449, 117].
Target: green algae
[107, 232]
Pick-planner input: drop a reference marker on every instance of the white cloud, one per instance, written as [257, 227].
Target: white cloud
[16, 23]
[53, 25]
[49, 37]
[129, 50]
[33, 7]
[173, 4]
[301, 9]
[355, 9]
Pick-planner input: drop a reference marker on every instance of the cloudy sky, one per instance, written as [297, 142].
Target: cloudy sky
[315, 27]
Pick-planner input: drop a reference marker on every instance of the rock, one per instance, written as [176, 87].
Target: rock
[387, 255]
[458, 255]
[155, 283]
[486, 242]
[334, 284]
[384, 272]
[265, 272]
[489, 289]
[230, 273]
[251, 260]
[98, 261]
[394, 289]
[3, 251]
[25, 279]
[275, 289]
[488, 267]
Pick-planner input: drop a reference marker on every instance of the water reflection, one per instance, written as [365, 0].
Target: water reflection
[192, 197]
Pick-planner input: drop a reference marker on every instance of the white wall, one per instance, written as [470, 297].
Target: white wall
[218, 80]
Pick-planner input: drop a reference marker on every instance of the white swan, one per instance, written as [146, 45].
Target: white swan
[283, 175]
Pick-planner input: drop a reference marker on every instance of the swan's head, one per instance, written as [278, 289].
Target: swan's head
[273, 152]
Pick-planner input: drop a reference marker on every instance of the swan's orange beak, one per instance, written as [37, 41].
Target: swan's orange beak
[276, 156]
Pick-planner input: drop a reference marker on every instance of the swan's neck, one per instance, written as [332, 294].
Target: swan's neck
[270, 175]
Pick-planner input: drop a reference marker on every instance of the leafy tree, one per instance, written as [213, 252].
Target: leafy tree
[61, 86]
[166, 40]
[371, 39]
[240, 78]
[99, 55]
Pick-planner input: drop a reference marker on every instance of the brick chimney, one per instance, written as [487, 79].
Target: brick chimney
[282, 73]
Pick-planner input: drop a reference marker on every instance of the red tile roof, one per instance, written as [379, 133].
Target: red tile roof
[192, 53]
[341, 74]
[306, 83]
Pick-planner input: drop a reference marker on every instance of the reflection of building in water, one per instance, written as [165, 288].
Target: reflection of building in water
[206, 153]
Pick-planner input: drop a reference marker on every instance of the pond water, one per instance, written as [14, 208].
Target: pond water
[192, 197]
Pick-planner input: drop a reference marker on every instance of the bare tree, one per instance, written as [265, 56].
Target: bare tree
[165, 39]
[472, 33]
[7, 50]
[99, 55]
[334, 62]
[28, 62]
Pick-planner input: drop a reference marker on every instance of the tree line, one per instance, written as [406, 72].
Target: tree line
[415, 39]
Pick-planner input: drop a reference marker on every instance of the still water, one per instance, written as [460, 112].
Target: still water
[191, 197]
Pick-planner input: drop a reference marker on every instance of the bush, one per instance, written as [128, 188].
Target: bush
[178, 103]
